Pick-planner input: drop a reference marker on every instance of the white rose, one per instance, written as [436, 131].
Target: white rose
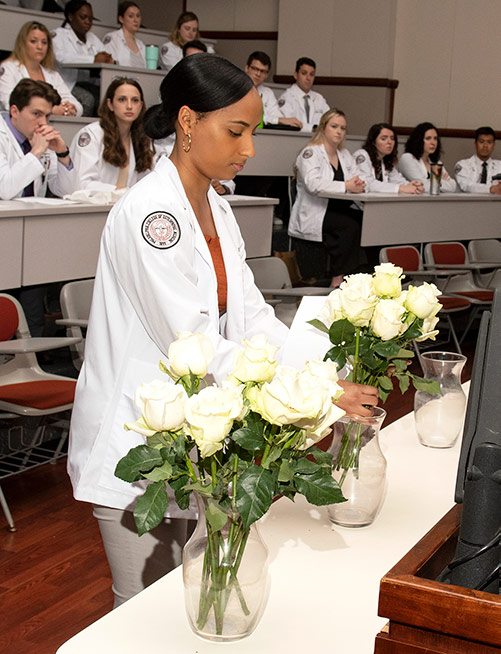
[323, 426]
[190, 353]
[257, 361]
[422, 300]
[387, 322]
[324, 373]
[332, 309]
[387, 280]
[210, 415]
[428, 329]
[288, 399]
[162, 407]
[358, 299]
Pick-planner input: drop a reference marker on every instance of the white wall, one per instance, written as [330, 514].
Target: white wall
[236, 15]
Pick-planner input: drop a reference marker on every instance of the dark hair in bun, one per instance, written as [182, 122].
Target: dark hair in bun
[203, 82]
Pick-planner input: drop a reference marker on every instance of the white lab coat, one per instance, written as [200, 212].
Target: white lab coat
[469, 171]
[170, 54]
[12, 72]
[392, 179]
[17, 169]
[315, 176]
[68, 49]
[92, 172]
[143, 295]
[291, 104]
[115, 44]
[271, 110]
[415, 169]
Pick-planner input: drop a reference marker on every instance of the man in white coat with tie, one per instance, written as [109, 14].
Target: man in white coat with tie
[476, 174]
[299, 100]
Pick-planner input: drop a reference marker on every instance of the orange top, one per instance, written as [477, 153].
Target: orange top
[218, 261]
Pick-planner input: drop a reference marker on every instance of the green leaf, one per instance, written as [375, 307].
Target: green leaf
[321, 457]
[341, 331]
[151, 507]
[182, 491]
[251, 436]
[318, 324]
[320, 488]
[305, 466]
[274, 454]
[387, 349]
[403, 382]
[414, 330]
[161, 473]
[337, 355]
[385, 383]
[383, 395]
[138, 460]
[400, 365]
[159, 440]
[216, 517]
[404, 354]
[179, 444]
[285, 472]
[254, 495]
[428, 385]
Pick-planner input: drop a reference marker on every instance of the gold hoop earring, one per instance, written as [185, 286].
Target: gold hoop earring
[187, 148]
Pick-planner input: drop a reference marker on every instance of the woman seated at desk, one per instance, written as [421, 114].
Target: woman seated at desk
[122, 44]
[74, 43]
[33, 57]
[326, 166]
[377, 163]
[186, 29]
[114, 152]
[422, 150]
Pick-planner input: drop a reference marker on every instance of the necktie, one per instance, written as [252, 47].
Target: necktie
[307, 107]
[29, 190]
[483, 176]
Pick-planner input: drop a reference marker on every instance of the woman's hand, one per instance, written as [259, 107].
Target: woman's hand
[356, 397]
[413, 188]
[355, 185]
[103, 58]
[64, 109]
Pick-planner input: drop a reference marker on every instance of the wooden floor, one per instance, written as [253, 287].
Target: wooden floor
[54, 578]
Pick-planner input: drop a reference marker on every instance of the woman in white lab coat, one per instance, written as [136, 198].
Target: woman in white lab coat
[172, 259]
[377, 163]
[74, 43]
[326, 166]
[122, 44]
[422, 150]
[114, 152]
[33, 57]
[185, 30]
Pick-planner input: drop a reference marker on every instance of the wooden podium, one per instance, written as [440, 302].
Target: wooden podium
[428, 617]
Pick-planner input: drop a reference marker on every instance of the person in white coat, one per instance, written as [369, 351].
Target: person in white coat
[33, 57]
[74, 43]
[475, 175]
[123, 46]
[326, 166]
[377, 163]
[185, 30]
[172, 259]
[257, 68]
[33, 155]
[115, 152]
[299, 100]
[422, 150]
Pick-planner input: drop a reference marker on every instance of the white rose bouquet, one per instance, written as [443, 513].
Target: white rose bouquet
[236, 446]
[371, 321]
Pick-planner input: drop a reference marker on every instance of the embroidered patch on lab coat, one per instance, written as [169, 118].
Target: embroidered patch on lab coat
[106, 39]
[281, 102]
[307, 153]
[164, 50]
[360, 159]
[84, 139]
[457, 169]
[161, 230]
[2, 71]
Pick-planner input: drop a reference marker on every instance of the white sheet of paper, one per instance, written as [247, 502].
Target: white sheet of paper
[305, 342]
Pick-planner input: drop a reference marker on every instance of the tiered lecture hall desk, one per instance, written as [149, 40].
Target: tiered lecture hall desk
[54, 240]
[324, 578]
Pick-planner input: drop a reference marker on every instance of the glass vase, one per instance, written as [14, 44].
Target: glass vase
[225, 575]
[439, 417]
[359, 467]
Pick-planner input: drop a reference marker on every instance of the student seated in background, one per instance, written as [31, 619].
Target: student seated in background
[122, 44]
[74, 43]
[377, 163]
[474, 175]
[193, 47]
[299, 100]
[33, 57]
[423, 148]
[33, 154]
[114, 152]
[186, 29]
[257, 68]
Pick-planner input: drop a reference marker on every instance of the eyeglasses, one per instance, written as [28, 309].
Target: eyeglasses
[260, 71]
